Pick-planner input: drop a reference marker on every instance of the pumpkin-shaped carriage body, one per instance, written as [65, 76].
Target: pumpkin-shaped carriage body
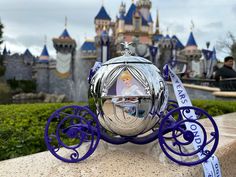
[130, 95]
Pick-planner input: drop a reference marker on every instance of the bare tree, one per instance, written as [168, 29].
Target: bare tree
[228, 45]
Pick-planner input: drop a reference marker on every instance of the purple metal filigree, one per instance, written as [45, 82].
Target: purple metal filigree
[180, 148]
[67, 129]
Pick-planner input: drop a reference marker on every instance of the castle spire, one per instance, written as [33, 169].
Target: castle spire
[157, 32]
[192, 25]
[66, 21]
[44, 57]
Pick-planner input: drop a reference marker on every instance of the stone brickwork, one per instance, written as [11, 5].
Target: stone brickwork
[82, 86]
[59, 85]
[42, 77]
[18, 67]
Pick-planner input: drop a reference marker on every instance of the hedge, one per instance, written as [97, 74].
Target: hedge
[22, 126]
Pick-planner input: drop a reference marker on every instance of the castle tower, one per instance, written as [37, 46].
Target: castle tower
[101, 20]
[65, 48]
[85, 62]
[165, 49]
[62, 71]
[42, 73]
[191, 50]
[121, 19]
[144, 7]
[192, 54]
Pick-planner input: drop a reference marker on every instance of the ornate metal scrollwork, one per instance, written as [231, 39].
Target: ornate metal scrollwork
[180, 149]
[67, 129]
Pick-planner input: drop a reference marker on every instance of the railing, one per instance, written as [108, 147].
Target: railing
[227, 84]
[224, 84]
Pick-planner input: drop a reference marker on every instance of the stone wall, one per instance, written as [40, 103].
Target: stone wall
[17, 69]
[42, 77]
[82, 73]
[61, 85]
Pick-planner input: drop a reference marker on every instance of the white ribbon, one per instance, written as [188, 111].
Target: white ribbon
[211, 167]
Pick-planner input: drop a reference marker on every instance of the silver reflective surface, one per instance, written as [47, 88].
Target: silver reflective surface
[129, 93]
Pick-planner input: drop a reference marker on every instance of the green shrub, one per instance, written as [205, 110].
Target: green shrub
[24, 85]
[5, 93]
[216, 107]
[22, 128]
[2, 70]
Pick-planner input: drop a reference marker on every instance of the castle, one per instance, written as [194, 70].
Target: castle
[67, 73]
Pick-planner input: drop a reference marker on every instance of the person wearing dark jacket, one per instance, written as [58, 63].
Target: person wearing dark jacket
[227, 70]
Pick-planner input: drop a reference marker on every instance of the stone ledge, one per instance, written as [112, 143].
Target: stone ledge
[225, 94]
[200, 87]
[128, 160]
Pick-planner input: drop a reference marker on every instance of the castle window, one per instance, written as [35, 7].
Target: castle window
[137, 24]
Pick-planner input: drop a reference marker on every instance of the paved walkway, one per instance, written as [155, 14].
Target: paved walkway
[127, 160]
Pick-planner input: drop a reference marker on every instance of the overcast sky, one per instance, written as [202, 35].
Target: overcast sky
[28, 21]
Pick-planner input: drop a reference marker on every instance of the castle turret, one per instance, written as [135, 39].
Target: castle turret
[193, 55]
[65, 48]
[102, 19]
[121, 18]
[191, 50]
[87, 58]
[144, 7]
[42, 72]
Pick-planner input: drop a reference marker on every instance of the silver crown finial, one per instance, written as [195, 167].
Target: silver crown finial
[126, 48]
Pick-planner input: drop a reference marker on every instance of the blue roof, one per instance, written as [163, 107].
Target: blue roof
[157, 37]
[191, 40]
[88, 45]
[144, 22]
[179, 44]
[150, 18]
[65, 34]
[28, 53]
[129, 16]
[102, 14]
[167, 36]
[44, 57]
[4, 52]
[214, 57]
[122, 16]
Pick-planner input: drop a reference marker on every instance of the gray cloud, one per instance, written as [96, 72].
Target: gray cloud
[234, 10]
[27, 21]
[214, 25]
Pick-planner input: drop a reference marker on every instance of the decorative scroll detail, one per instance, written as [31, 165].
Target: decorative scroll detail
[180, 149]
[67, 129]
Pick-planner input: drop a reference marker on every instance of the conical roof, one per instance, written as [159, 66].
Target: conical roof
[191, 40]
[102, 14]
[44, 57]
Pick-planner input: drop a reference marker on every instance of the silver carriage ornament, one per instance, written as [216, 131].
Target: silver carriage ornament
[132, 105]
[130, 94]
